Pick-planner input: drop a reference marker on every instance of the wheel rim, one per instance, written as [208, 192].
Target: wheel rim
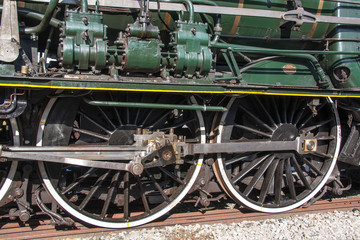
[8, 136]
[124, 200]
[278, 181]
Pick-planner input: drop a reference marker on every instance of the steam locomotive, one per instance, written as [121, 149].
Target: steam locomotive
[114, 111]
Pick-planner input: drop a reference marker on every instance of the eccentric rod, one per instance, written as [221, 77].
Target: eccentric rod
[156, 105]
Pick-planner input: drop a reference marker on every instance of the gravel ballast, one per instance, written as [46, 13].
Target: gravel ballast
[332, 225]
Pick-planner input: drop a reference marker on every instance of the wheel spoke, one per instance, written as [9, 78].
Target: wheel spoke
[312, 166]
[150, 112]
[321, 154]
[106, 117]
[325, 138]
[92, 134]
[259, 173]
[284, 111]
[157, 186]
[127, 111]
[138, 111]
[160, 120]
[143, 197]
[173, 176]
[300, 172]
[278, 181]
[79, 180]
[290, 179]
[266, 112]
[126, 195]
[313, 127]
[116, 110]
[147, 117]
[293, 109]
[93, 190]
[248, 168]
[312, 115]
[299, 115]
[276, 110]
[269, 177]
[254, 131]
[237, 159]
[94, 122]
[258, 120]
[111, 194]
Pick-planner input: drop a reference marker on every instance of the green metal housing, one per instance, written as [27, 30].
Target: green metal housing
[84, 40]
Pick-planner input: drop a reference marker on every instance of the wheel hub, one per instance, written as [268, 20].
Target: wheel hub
[285, 132]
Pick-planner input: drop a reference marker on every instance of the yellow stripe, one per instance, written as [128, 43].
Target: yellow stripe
[261, 208]
[197, 164]
[180, 91]
[127, 223]
[236, 21]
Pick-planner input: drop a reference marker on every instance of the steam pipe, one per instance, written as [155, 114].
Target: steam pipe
[84, 6]
[323, 82]
[45, 21]
[36, 16]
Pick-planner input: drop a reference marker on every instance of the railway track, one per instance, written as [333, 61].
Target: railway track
[42, 229]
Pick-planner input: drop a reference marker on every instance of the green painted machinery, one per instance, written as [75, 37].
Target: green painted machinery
[137, 49]
[83, 40]
[178, 41]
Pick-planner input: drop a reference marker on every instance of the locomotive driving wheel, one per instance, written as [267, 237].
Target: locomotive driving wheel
[10, 136]
[118, 198]
[277, 181]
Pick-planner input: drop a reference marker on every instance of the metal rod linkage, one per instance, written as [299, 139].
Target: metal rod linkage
[45, 21]
[156, 105]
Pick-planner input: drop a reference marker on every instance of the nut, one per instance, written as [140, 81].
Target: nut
[167, 155]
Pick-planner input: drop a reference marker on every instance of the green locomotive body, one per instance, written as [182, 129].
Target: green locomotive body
[128, 107]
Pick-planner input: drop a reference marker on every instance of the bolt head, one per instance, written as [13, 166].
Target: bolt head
[24, 216]
[311, 145]
[137, 169]
[167, 155]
